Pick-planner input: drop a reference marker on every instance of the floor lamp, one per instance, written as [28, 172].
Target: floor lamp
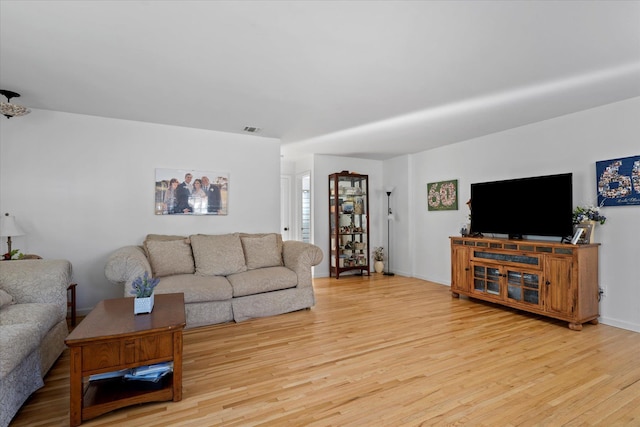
[390, 218]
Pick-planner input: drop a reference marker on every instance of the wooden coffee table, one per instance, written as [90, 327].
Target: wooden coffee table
[112, 338]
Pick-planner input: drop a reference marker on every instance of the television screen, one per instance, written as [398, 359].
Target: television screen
[536, 206]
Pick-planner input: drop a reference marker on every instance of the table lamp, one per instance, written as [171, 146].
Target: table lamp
[8, 228]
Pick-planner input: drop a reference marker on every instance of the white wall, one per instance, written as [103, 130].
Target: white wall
[323, 166]
[82, 186]
[571, 143]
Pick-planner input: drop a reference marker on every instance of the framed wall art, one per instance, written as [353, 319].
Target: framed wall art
[618, 181]
[191, 192]
[442, 196]
[587, 233]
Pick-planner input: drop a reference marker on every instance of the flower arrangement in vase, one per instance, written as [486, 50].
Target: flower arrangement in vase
[378, 257]
[142, 289]
[588, 213]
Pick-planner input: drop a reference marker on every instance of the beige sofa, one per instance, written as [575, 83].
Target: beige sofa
[223, 277]
[33, 327]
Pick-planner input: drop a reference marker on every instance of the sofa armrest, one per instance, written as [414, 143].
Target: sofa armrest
[124, 265]
[300, 257]
[37, 281]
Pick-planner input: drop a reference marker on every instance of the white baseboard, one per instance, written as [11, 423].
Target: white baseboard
[634, 327]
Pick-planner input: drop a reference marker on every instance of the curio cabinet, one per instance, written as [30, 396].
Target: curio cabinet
[348, 223]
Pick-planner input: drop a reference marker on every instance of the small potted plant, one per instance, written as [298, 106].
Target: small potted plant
[378, 258]
[14, 254]
[143, 291]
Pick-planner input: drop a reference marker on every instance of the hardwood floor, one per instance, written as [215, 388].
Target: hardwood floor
[386, 351]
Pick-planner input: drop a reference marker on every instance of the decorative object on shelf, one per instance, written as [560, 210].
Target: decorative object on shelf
[143, 291]
[618, 181]
[588, 213]
[9, 228]
[588, 229]
[442, 196]
[11, 110]
[390, 217]
[378, 258]
[347, 207]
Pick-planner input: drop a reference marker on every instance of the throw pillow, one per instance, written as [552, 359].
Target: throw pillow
[170, 257]
[5, 299]
[261, 251]
[218, 255]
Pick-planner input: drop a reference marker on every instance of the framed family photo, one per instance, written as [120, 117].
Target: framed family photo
[191, 192]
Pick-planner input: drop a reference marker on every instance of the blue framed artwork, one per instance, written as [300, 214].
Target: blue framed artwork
[618, 181]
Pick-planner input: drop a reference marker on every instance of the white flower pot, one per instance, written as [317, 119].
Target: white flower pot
[143, 305]
[378, 266]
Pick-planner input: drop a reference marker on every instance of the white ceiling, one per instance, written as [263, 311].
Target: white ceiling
[370, 79]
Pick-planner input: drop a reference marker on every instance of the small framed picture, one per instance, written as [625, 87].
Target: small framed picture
[587, 230]
[347, 207]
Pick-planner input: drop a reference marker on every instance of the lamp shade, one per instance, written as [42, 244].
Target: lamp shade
[9, 227]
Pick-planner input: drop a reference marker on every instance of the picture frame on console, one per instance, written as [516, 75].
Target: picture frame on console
[191, 192]
[587, 230]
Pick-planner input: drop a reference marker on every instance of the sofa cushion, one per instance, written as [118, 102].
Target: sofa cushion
[43, 316]
[161, 238]
[196, 288]
[261, 250]
[6, 299]
[169, 257]
[16, 343]
[262, 280]
[218, 255]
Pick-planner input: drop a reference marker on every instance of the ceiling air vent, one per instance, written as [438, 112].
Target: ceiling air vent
[251, 129]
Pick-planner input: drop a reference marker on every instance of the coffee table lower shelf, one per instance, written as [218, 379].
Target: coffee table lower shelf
[104, 396]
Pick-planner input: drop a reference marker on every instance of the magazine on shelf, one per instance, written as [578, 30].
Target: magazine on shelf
[141, 373]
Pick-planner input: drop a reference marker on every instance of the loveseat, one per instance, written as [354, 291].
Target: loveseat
[224, 277]
[33, 327]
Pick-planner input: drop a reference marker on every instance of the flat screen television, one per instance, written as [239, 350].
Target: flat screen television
[535, 206]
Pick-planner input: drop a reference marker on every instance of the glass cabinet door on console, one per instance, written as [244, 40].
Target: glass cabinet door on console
[518, 286]
[348, 223]
[486, 280]
[523, 287]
